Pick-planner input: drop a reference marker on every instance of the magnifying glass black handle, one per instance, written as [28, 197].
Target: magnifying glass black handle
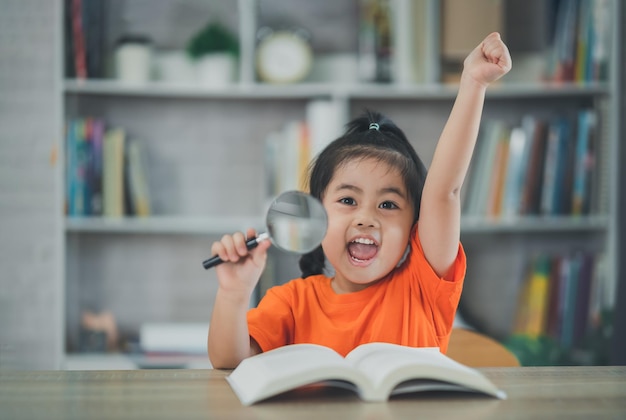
[250, 244]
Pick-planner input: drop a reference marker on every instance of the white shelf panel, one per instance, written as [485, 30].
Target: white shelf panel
[161, 224]
[219, 225]
[323, 90]
[538, 224]
[236, 91]
[121, 361]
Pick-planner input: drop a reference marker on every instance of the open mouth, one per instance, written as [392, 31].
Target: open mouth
[362, 249]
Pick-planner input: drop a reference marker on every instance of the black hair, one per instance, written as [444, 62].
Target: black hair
[371, 135]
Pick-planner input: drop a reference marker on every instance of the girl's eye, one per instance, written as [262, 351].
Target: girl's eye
[388, 205]
[348, 201]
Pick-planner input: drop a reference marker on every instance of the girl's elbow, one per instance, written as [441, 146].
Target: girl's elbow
[223, 363]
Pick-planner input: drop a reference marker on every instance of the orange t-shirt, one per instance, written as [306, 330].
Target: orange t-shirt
[412, 307]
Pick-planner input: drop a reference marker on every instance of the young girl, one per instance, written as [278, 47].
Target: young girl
[393, 240]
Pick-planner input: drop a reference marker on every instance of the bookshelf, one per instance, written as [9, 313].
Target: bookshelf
[206, 172]
[420, 109]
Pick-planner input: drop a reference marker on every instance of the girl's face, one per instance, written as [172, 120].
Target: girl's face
[370, 217]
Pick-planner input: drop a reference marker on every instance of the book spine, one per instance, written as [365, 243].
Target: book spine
[538, 297]
[113, 173]
[80, 60]
[514, 173]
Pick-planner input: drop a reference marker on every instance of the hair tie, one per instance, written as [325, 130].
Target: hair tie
[374, 126]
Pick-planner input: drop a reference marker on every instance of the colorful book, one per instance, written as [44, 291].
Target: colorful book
[584, 162]
[95, 167]
[489, 138]
[137, 180]
[498, 175]
[113, 173]
[538, 288]
[515, 171]
[531, 194]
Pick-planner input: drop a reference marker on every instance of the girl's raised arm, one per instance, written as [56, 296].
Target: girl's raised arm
[440, 214]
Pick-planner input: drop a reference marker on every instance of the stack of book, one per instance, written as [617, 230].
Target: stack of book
[581, 46]
[105, 172]
[289, 151]
[563, 297]
[543, 167]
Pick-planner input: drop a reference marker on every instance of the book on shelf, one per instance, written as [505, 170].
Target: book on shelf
[287, 153]
[106, 174]
[83, 160]
[75, 168]
[173, 338]
[289, 150]
[481, 177]
[530, 193]
[374, 41]
[97, 132]
[532, 315]
[85, 38]
[415, 41]
[464, 24]
[497, 177]
[325, 122]
[113, 193]
[562, 296]
[137, 180]
[585, 162]
[374, 371]
[582, 41]
[541, 167]
[515, 172]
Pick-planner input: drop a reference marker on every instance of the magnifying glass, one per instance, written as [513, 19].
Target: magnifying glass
[296, 222]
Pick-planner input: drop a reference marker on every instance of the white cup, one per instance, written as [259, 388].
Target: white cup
[174, 67]
[133, 61]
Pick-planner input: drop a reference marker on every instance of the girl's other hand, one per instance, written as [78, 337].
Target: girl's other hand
[489, 61]
[242, 268]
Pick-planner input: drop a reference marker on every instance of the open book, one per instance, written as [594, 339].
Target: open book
[375, 371]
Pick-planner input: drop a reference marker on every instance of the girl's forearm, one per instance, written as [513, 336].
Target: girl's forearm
[455, 147]
[229, 339]
[441, 202]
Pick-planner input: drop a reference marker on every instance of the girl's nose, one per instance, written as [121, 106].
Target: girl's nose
[365, 218]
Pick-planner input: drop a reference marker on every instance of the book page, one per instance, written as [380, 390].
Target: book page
[388, 365]
[289, 367]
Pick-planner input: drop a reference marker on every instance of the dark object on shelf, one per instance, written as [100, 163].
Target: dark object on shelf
[214, 37]
[92, 341]
[85, 23]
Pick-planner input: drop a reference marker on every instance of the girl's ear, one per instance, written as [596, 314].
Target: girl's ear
[406, 254]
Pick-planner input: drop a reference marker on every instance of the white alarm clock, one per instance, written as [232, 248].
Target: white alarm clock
[283, 57]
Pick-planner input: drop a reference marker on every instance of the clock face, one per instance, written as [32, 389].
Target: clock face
[283, 57]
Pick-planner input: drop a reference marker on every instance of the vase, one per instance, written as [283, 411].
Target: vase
[216, 69]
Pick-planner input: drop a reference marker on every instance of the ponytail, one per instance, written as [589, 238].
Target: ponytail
[313, 262]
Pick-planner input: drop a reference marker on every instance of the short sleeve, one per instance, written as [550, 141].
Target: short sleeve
[441, 296]
[271, 323]
[418, 258]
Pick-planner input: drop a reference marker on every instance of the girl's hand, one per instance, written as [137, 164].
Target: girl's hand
[241, 270]
[488, 61]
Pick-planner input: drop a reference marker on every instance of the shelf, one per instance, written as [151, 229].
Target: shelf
[161, 225]
[122, 361]
[534, 224]
[220, 225]
[330, 91]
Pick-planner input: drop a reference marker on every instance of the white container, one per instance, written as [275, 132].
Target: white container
[335, 68]
[175, 67]
[133, 60]
[217, 69]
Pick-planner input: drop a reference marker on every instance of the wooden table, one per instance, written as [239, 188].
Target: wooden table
[545, 392]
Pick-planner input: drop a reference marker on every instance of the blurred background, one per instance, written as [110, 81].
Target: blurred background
[134, 133]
